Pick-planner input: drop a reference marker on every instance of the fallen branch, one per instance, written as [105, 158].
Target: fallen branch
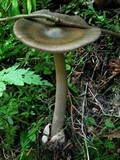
[30, 16]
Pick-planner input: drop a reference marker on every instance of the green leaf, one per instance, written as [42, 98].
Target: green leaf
[31, 78]
[101, 18]
[47, 71]
[15, 76]
[24, 5]
[34, 5]
[1, 124]
[15, 7]
[109, 145]
[109, 124]
[1, 127]
[29, 6]
[10, 121]
[90, 121]
[46, 83]
[32, 138]
[2, 87]
[73, 88]
[68, 67]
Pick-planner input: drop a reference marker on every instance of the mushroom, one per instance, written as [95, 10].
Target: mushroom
[45, 35]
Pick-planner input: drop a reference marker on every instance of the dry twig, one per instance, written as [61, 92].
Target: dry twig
[82, 126]
[97, 101]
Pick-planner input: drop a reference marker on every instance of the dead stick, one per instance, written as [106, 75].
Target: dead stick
[48, 17]
[82, 126]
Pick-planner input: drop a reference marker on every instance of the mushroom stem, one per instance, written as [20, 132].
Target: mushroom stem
[61, 94]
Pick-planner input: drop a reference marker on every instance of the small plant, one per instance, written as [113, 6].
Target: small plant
[29, 137]
[19, 77]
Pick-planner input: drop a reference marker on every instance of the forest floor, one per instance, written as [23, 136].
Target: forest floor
[92, 121]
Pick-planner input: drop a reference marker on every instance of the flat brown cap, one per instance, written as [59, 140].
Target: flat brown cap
[43, 35]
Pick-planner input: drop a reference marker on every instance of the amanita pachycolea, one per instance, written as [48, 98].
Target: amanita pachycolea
[45, 35]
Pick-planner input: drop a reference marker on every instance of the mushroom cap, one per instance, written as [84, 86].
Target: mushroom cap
[45, 35]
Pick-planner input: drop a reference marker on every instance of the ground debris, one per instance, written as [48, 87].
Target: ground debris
[115, 66]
